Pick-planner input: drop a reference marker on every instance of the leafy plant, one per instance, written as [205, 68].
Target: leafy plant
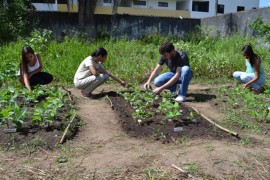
[39, 39]
[62, 159]
[170, 110]
[14, 19]
[262, 28]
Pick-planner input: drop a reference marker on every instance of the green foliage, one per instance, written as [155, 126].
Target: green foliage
[155, 174]
[169, 109]
[193, 167]
[14, 19]
[39, 39]
[262, 28]
[15, 108]
[244, 108]
[143, 101]
[210, 57]
[62, 159]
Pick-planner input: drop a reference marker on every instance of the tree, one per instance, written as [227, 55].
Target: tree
[86, 13]
[14, 19]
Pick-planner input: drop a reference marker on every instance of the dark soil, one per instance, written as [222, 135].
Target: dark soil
[160, 128]
[45, 136]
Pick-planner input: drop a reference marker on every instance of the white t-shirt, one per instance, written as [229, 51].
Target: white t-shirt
[83, 71]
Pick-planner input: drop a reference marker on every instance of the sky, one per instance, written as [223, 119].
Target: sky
[264, 3]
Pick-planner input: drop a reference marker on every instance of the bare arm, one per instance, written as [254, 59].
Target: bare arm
[152, 76]
[25, 80]
[257, 72]
[170, 82]
[104, 71]
[40, 67]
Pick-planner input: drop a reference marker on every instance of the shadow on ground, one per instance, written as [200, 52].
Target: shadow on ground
[199, 97]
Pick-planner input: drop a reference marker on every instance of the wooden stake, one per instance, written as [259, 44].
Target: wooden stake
[110, 101]
[183, 171]
[215, 124]
[68, 93]
[65, 132]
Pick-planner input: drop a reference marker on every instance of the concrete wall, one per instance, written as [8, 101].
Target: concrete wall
[132, 27]
[235, 22]
[135, 27]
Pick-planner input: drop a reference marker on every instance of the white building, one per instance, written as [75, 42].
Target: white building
[164, 8]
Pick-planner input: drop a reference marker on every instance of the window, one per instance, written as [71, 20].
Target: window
[107, 1]
[220, 9]
[42, 1]
[200, 6]
[240, 8]
[163, 4]
[140, 3]
[62, 1]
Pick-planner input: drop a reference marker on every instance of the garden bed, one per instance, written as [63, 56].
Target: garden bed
[36, 118]
[161, 125]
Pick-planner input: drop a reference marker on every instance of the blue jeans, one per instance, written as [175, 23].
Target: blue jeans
[244, 77]
[186, 75]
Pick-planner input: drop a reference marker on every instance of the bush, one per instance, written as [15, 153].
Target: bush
[14, 19]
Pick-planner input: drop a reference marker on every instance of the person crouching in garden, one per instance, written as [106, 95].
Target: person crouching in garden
[30, 73]
[92, 74]
[254, 76]
[180, 72]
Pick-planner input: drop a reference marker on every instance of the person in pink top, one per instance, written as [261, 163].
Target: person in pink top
[30, 73]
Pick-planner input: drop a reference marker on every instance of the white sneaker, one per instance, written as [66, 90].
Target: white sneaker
[180, 98]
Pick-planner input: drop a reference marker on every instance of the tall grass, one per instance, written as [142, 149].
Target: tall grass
[132, 60]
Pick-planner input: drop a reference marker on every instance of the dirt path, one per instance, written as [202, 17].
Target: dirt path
[101, 150]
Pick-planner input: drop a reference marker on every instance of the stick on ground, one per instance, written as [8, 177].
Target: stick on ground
[110, 101]
[215, 124]
[65, 132]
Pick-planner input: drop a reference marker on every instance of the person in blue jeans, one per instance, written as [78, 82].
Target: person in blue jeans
[254, 76]
[180, 72]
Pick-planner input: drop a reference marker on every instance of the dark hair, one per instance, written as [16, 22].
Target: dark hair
[247, 49]
[99, 52]
[166, 47]
[23, 63]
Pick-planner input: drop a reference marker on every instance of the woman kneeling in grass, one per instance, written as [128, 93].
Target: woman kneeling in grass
[254, 76]
[30, 69]
[92, 74]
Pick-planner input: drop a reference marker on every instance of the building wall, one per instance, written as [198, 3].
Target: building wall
[45, 7]
[118, 26]
[131, 11]
[227, 24]
[229, 7]
[135, 27]
[153, 4]
[175, 8]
